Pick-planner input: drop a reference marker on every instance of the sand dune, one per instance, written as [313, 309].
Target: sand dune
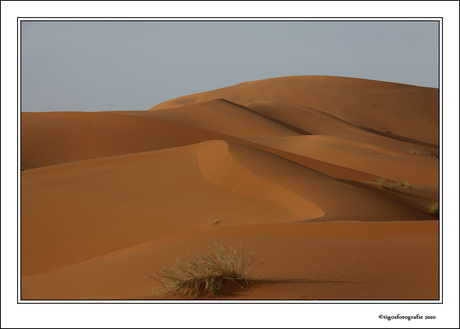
[226, 118]
[337, 261]
[60, 137]
[373, 104]
[319, 123]
[363, 157]
[286, 167]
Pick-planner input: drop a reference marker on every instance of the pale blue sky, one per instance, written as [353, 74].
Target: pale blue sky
[121, 65]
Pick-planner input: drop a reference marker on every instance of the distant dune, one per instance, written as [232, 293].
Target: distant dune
[287, 167]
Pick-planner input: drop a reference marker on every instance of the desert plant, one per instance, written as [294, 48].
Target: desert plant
[205, 275]
[402, 182]
[382, 182]
[431, 156]
[433, 208]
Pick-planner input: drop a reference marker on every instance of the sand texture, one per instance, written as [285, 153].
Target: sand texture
[287, 168]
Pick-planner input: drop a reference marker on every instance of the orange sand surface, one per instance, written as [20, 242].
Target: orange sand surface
[286, 168]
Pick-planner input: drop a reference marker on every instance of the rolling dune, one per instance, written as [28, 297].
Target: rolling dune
[286, 167]
[374, 104]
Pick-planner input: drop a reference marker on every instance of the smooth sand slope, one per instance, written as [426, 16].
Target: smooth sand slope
[285, 167]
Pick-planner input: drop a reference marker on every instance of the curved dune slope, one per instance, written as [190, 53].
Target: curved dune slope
[60, 137]
[226, 118]
[363, 157]
[115, 202]
[286, 167]
[373, 104]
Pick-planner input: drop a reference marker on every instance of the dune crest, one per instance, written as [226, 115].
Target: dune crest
[375, 104]
[221, 170]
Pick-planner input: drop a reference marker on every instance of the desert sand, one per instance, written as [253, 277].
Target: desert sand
[287, 168]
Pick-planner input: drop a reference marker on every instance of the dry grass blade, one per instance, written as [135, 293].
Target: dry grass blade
[433, 208]
[213, 274]
[382, 182]
[406, 184]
